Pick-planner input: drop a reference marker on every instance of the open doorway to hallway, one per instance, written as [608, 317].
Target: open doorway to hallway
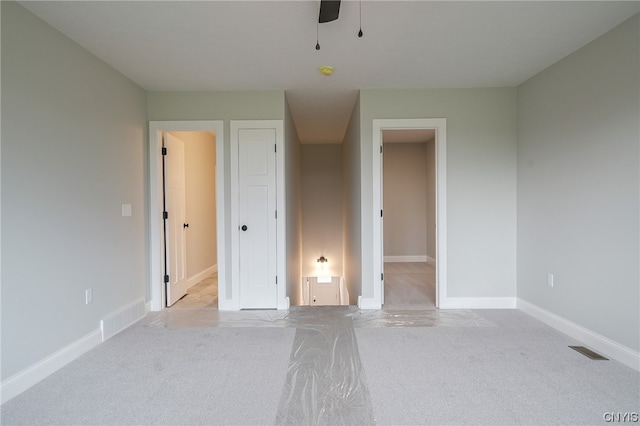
[409, 226]
[419, 130]
[203, 239]
[191, 247]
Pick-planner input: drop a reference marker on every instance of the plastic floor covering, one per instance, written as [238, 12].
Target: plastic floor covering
[325, 383]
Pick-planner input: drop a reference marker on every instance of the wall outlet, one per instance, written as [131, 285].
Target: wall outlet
[550, 280]
[88, 296]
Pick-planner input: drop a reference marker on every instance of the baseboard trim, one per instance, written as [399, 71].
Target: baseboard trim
[285, 305]
[595, 341]
[20, 382]
[478, 303]
[401, 259]
[368, 303]
[195, 279]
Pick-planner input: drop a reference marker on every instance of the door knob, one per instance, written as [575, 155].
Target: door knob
[185, 225]
[244, 227]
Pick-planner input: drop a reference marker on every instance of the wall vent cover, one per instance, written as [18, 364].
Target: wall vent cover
[589, 353]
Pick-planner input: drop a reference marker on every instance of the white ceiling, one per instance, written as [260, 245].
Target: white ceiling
[270, 45]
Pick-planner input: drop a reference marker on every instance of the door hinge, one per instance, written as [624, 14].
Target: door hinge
[381, 277]
[166, 279]
[276, 280]
[165, 215]
[275, 148]
[380, 213]
[164, 150]
[380, 149]
[276, 214]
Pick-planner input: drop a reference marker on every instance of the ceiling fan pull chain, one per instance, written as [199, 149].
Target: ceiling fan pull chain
[360, 33]
[317, 25]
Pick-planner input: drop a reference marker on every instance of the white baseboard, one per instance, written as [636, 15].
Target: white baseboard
[478, 303]
[228, 305]
[285, 305]
[109, 326]
[118, 320]
[593, 340]
[20, 382]
[400, 259]
[195, 279]
[368, 303]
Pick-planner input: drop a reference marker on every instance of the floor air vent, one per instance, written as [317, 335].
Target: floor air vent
[589, 353]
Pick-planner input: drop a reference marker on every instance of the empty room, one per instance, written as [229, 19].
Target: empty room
[385, 213]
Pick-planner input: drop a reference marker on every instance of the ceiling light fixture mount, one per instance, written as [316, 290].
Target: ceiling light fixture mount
[326, 70]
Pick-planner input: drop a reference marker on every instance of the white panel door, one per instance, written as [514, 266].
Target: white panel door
[257, 218]
[175, 224]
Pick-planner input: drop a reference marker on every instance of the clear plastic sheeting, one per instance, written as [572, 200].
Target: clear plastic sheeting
[208, 317]
[418, 318]
[325, 383]
[310, 317]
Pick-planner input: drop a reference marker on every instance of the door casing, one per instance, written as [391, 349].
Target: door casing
[440, 127]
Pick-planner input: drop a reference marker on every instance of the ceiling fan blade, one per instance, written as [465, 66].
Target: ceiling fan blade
[329, 10]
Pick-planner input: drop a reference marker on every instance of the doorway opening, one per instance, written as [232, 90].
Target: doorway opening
[194, 244]
[409, 183]
[427, 250]
[189, 172]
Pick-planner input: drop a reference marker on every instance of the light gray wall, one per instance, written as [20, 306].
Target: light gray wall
[431, 199]
[481, 182]
[351, 190]
[73, 138]
[321, 169]
[294, 209]
[578, 185]
[226, 106]
[405, 199]
[200, 200]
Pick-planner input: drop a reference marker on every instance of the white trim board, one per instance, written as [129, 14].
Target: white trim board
[595, 341]
[20, 382]
[478, 303]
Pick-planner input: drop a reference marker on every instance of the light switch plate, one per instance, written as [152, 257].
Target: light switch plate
[126, 210]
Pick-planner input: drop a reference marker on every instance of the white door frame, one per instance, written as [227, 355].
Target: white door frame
[156, 244]
[281, 265]
[440, 127]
